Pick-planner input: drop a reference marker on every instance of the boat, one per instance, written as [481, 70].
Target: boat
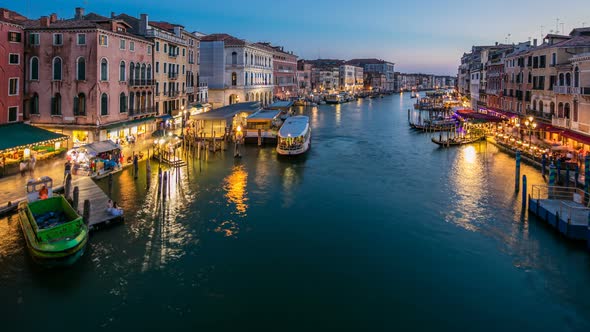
[457, 141]
[333, 99]
[294, 137]
[299, 102]
[55, 233]
[286, 108]
[264, 124]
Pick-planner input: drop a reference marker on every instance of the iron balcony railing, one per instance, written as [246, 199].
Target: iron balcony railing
[141, 82]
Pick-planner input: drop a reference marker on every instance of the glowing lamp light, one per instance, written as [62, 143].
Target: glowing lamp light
[239, 128]
[27, 153]
[57, 145]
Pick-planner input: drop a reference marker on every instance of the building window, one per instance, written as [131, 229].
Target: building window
[132, 46]
[81, 69]
[14, 59]
[149, 49]
[165, 47]
[34, 39]
[56, 104]
[122, 44]
[164, 67]
[143, 73]
[14, 37]
[122, 103]
[81, 39]
[122, 71]
[553, 59]
[182, 69]
[104, 104]
[234, 79]
[234, 58]
[34, 106]
[104, 70]
[149, 73]
[184, 52]
[58, 39]
[157, 67]
[13, 86]
[12, 114]
[80, 105]
[103, 40]
[57, 69]
[576, 77]
[157, 46]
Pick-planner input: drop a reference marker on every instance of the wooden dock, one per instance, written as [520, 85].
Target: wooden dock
[89, 190]
[564, 209]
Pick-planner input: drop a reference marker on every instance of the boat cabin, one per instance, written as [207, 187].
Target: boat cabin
[40, 188]
[267, 122]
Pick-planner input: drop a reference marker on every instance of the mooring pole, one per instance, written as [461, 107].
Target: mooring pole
[517, 172]
[524, 196]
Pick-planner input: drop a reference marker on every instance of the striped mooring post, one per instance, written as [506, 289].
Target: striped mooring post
[567, 176]
[517, 172]
[586, 177]
[576, 175]
[543, 164]
[558, 171]
[552, 175]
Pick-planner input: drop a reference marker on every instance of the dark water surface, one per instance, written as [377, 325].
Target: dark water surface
[376, 230]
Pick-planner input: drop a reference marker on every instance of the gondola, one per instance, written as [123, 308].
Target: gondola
[453, 142]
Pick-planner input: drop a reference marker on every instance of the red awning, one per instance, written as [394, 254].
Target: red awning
[576, 137]
[548, 128]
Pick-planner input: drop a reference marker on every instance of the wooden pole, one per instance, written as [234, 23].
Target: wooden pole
[110, 184]
[524, 196]
[517, 172]
[76, 198]
[86, 212]
[68, 186]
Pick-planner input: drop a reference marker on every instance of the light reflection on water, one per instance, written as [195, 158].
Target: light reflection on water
[235, 189]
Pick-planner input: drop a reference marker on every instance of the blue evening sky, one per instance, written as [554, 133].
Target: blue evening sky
[419, 36]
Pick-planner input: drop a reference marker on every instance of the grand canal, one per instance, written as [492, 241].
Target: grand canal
[376, 230]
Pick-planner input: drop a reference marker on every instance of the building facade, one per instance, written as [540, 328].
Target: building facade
[236, 70]
[285, 72]
[12, 66]
[378, 66]
[304, 78]
[88, 76]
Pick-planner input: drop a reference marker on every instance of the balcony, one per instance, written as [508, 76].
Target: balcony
[140, 82]
[141, 111]
[190, 89]
[172, 55]
[234, 66]
[566, 90]
[172, 94]
[560, 122]
[539, 115]
[166, 36]
[173, 76]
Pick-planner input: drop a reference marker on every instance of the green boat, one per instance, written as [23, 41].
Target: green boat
[56, 234]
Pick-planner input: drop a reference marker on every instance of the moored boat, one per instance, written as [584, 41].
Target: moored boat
[294, 137]
[262, 125]
[457, 141]
[55, 233]
[333, 99]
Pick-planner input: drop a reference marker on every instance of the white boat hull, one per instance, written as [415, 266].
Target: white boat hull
[293, 152]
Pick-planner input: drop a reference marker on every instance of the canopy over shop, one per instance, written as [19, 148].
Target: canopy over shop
[95, 158]
[217, 123]
[130, 131]
[19, 141]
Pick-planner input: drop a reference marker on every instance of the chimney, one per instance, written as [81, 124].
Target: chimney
[143, 24]
[496, 43]
[5, 13]
[44, 20]
[535, 42]
[79, 13]
[53, 18]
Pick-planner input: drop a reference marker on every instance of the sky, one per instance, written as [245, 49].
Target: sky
[427, 36]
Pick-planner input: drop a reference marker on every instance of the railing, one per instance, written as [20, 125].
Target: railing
[570, 199]
[190, 89]
[173, 76]
[172, 55]
[166, 36]
[542, 191]
[539, 114]
[141, 82]
[560, 122]
[172, 93]
[566, 90]
[141, 111]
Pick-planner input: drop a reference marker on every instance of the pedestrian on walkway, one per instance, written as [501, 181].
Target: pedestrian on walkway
[23, 167]
[67, 168]
[32, 163]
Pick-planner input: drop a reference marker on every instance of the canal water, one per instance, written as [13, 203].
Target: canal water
[377, 229]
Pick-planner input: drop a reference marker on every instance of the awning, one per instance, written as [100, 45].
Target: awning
[134, 122]
[100, 147]
[548, 128]
[164, 117]
[21, 135]
[576, 137]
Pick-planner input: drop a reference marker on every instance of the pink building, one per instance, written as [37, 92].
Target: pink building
[284, 72]
[89, 78]
[12, 39]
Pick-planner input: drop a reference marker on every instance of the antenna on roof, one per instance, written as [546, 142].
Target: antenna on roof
[557, 26]
[562, 27]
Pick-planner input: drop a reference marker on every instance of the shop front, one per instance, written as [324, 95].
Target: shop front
[129, 132]
[95, 159]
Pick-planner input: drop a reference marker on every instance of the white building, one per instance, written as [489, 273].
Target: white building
[236, 70]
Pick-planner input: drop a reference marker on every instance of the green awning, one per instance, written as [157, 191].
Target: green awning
[129, 123]
[21, 135]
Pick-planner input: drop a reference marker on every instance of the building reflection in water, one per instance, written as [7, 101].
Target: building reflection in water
[314, 118]
[467, 177]
[338, 115]
[235, 187]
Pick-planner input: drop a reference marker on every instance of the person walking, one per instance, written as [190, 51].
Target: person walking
[23, 167]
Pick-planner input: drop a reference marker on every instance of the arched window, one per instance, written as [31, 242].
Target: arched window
[149, 73]
[552, 108]
[57, 69]
[576, 77]
[234, 79]
[560, 110]
[104, 70]
[80, 105]
[143, 72]
[122, 71]
[234, 58]
[246, 78]
[34, 68]
[56, 104]
[561, 80]
[568, 79]
[104, 104]
[251, 59]
[131, 102]
[137, 71]
[34, 109]
[246, 58]
[575, 118]
[566, 111]
[540, 106]
[247, 97]
[122, 103]
[81, 69]
[534, 105]
[252, 79]
[131, 71]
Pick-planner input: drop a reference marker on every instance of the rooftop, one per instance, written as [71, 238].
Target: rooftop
[224, 37]
[229, 111]
[9, 16]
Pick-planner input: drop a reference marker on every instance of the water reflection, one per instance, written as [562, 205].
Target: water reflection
[236, 194]
[338, 115]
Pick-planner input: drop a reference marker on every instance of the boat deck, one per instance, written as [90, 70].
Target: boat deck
[570, 218]
[89, 190]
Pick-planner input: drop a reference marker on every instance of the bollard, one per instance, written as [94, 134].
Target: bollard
[86, 212]
[164, 185]
[68, 186]
[524, 197]
[135, 167]
[543, 164]
[517, 172]
[76, 198]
